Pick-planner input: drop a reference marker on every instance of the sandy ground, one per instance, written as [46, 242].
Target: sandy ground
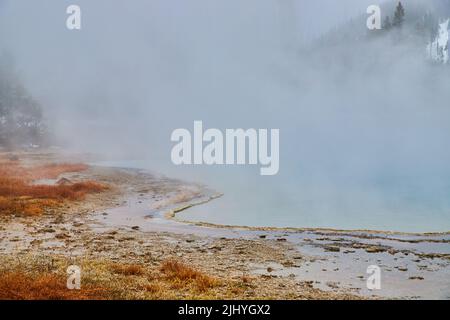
[135, 222]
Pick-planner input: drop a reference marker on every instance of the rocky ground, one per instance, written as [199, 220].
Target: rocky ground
[127, 248]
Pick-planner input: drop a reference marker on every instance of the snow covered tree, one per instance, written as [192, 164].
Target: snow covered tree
[438, 49]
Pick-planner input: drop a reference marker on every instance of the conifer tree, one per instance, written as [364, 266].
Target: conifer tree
[399, 15]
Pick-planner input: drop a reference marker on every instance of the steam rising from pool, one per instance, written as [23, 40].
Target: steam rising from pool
[364, 127]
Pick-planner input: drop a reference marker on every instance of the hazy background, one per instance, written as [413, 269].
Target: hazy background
[364, 126]
[154, 63]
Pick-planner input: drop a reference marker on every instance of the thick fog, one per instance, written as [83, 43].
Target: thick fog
[354, 118]
[147, 67]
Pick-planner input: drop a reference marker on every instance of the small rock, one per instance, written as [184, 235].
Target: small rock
[62, 236]
[332, 248]
[375, 249]
[63, 182]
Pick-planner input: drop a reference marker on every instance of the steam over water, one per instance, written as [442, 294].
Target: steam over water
[364, 130]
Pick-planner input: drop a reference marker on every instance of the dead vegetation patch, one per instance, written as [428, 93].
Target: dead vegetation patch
[18, 196]
[45, 278]
[128, 269]
[181, 275]
[18, 285]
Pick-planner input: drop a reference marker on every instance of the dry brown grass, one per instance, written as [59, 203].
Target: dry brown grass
[22, 286]
[13, 169]
[25, 206]
[246, 279]
[128, 269]
[76, 191]
[44, 278]
[19, 197]
[180, 274]
[154, 288]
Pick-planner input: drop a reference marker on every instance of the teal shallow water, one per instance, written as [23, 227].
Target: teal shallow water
[347, 209]
[389, 203]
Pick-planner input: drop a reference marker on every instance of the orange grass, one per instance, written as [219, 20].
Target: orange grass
[18, 196]
[128, 269]
[180, 273]
[76, 191]
[21, 286]
[28, 207]
[48, 171]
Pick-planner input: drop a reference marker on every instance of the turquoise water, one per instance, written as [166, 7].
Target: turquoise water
[386, 202]
[407, 206]
[372, 209]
